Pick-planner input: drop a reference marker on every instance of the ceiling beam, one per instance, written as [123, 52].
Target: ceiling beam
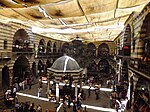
[81, 9]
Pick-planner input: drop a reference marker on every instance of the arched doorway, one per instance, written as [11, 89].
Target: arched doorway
[55, 47]
[103, 50]
[92, 69]
[41, 47]
[91, 50]
[127, 41]
[124, 72]
[48, 48]
[5, 77]
[41, 68]
[142, 95]
[21, 69]
[65, 48]
[103, 67]
[48, 65]
[146, 40]
[34, 69]
[21, 41]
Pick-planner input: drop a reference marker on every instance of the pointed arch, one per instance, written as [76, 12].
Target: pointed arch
[103, 66]
[49, 47]
[21, 69]
[55, 47]
[91, 49]
[103, 50]
[41, 46]
[65, 48]
[20, 41]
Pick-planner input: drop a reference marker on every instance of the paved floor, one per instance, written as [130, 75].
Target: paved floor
[93, 105]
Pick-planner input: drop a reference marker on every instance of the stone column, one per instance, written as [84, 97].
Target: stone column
[48, 83]
[57, 92]
[76, 90]
[80, 82]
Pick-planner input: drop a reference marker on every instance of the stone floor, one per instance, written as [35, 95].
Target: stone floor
[89, 102]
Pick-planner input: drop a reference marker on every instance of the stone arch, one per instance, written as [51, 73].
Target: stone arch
[55, 47]
[41, 68]
[103, 50]
[48, 65]
[91, 49]
[103, 66]
[145, 44]
[5, 77]
[34, 69]
[125, 72]
[49, 47]
[41, 46]
[127, 40]
[21, 69]
[142, 94]
[65, 48]
[20, 41]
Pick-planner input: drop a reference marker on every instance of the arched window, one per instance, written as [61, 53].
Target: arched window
[48, 48]
[21, 69]
[103, 66]
[91, 49]
[103, 50]
[41, 47]
[65, 48]
[55, 48]
[20, 41]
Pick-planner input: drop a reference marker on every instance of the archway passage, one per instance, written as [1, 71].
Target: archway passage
[55, 47]
[92, 69]
[103, 67]
[103, 50]
[146, 31]
[125, 72]
[41, 47]
[142, 95]
[21, 69]
[91, 50]
[41, 68]
[21, 41]
[48, 48]
[34, 69]
[127, 41]
[65, 48]
[5, 77]
[48, 65]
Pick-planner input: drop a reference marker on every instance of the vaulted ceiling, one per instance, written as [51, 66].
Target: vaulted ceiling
[90, 20]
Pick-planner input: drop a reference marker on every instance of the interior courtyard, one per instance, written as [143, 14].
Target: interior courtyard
[74, 56]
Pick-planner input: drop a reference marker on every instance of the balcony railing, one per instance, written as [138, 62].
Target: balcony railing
[124, 52]
[22, 50]
[140, 65]
[49, 55]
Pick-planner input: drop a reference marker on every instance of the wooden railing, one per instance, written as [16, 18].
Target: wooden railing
[140, 65]
[22, 50]
[125, 52]
[49, 55]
